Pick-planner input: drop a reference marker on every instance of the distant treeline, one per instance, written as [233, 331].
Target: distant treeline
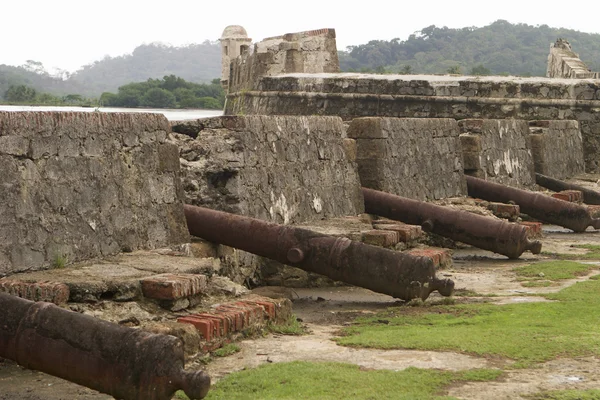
[26, 95]
[500, 48]
[169, 92]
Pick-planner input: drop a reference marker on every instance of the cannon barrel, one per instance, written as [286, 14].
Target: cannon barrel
[385, 271]
[589, 196]
[486, 233]
[536, 205]
[125, 363]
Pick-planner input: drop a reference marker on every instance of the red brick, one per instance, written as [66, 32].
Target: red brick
[54, 292]
[204, 326]
[241, 319]
[173, 286]
[573, 196]
[236, 322]
[534, 229]
[502, 210]
[269, 308]
[441, 258]
[380, 238]
[221, 323]
[406, 233]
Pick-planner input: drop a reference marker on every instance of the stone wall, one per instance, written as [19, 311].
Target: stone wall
[280, 169]
[498, 150]
[415, 158]
[423, 96]
[309, 52]
[75, 186]
[563, 62]
[557, 148]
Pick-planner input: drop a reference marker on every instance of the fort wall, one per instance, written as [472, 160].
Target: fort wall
[411, 157]
[77, 186]
[419, 96]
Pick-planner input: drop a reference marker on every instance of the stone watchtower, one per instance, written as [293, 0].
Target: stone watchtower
[234, 42]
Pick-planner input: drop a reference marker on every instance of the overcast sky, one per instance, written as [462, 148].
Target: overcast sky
[68, 34]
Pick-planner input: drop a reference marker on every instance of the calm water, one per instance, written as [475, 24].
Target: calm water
[172, 115]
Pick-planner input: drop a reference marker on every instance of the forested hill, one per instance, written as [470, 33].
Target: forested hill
[199, 63]
[501, 48]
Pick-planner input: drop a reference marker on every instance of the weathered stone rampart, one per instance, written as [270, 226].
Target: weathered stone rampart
[283, 169]
[563, 62]
[76, 186]
[411, 157]
[557, 148]
[498, 150]
[359, 95]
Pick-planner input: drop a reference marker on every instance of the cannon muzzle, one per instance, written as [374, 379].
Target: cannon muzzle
[125, 363]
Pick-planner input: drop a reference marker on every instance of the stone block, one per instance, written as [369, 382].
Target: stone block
[498, 150]
[173, 286]
[557, 148]
[411, 157]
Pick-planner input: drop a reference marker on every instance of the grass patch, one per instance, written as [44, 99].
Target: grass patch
[180, 395]
[528, 333]
[540, 274]
[60, 261]
[227, 350]
[592, 394]
[323, 381]
[291, 327]
[592, 254]
[538, 284]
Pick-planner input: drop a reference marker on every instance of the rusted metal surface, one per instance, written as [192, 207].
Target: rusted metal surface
[385, 271]
[536, 205]
[486, 233]
[125, 363]
[589, 196]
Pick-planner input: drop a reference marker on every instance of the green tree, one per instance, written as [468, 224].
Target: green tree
[454, 70]
[480, 70]
[159, 98]
[20, 94]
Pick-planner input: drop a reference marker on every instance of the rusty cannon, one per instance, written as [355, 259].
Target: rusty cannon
[589, 196]
[403, 276]
[123, 362]
[536, 205]
[499, 236]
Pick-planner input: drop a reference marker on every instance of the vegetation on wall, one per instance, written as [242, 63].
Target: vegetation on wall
[500, 48]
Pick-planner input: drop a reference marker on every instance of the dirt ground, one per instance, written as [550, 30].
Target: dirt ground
[326, 310]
